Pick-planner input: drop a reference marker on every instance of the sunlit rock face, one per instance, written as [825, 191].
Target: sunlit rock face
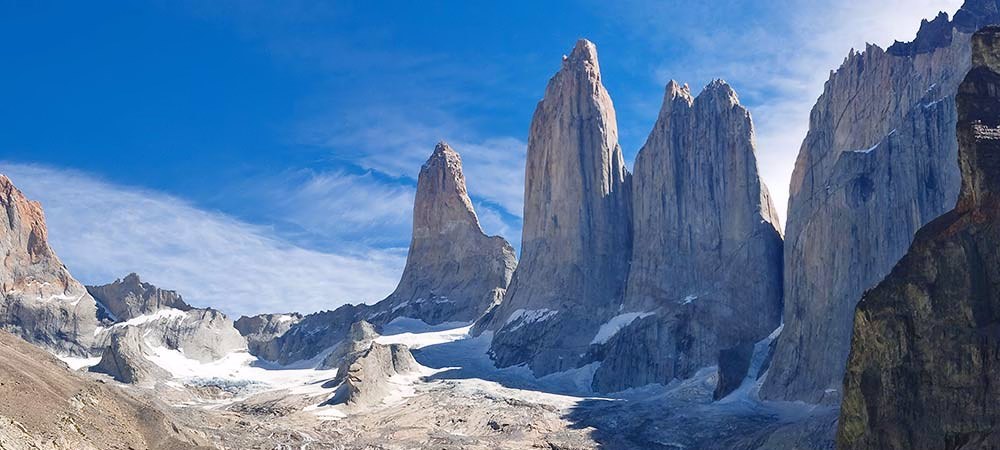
[39, 300]
[454, 272]
[877, 164]
[706, 260]
[576, 237]
[925, 354]
[130, 297]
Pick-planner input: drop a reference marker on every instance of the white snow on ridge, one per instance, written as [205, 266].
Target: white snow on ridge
[616, 324]
[524, 317]
[166, 314]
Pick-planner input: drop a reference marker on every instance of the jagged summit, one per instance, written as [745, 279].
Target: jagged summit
[129, 297]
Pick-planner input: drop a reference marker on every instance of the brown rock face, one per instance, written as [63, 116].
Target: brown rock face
[41, 301]
[577, 234]
[877, 164]
[707, 250]
[454, 272]
[926, 347]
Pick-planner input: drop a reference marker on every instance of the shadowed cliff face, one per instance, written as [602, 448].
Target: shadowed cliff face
[925, 354]
[877, 164]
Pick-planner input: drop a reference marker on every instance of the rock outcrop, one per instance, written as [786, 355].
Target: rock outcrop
[39, 299]
[130, 297]
[363, 376]
[126, 359]
[926, 350]
[706, 263]
[454, 272]
[262, 330]
[47, 406]
[576, 235]
[877, 164]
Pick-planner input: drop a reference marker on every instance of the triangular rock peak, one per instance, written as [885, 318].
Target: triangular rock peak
[577, 234]
[924, 354]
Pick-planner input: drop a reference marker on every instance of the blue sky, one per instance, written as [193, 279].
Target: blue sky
[262, 155]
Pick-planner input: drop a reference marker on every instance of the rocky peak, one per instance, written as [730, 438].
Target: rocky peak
[576, 232]
[130, 297]
[442, 203]
[41, 301]
[979, 123]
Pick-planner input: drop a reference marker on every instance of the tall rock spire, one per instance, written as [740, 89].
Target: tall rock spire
[41, 301]
[576, 235]
[706, 262]
[925, 354]
[454, 272]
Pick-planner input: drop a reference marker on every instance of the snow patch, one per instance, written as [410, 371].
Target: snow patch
[689, 299]
[523, 317]
[616, 324]
[77, 363]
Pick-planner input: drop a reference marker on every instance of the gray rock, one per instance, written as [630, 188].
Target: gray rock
[126, 358]
[130, 297]
[363, 376]
[877, 164]
[262, 330]
[454, 272]
[577, 233]
[707, 248]
[39, 299]
[926, 348]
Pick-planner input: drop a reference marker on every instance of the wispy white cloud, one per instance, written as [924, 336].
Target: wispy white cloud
[778, 57]
[103, 231]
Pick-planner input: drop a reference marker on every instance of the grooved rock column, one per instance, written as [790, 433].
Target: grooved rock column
[577, 235]
[925, 355]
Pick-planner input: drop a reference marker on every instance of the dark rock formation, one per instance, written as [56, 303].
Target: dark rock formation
[130, 297]
[877, 164]
[707, 249]
[926, 351]
[39, 300]
[576, 235]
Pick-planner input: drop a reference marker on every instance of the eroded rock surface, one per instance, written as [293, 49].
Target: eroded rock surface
[706, 264]
[367, 367]
[41, 301]
[926, 344]
[577, 233]
[261, 330]
[126, 359]
[130, 297]
[877, 164]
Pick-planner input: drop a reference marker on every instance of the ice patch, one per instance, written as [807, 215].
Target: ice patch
[163, 314]
[689, 299]
[77, 363]
[415, 339]
[523, 317]
[616, 324]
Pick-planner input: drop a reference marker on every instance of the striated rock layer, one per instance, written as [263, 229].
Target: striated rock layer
[39, 300]
[926, 347]
[706, 263]
[877, 164]
[454, 272]
[577, 233]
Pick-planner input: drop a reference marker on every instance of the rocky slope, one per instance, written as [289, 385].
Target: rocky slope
[577, 233]
[40, 302]
[46, 406]
[877, 164]
[453, 272]
[262, 330]
[924, 356]
[366, 368]
[704, 285]
[130, 297]
[126, 359]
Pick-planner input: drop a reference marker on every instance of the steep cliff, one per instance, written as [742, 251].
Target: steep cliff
[454, 272]
[706, 263]
[39, 300]
[926, 349]
[877, 164]
[577, 234]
